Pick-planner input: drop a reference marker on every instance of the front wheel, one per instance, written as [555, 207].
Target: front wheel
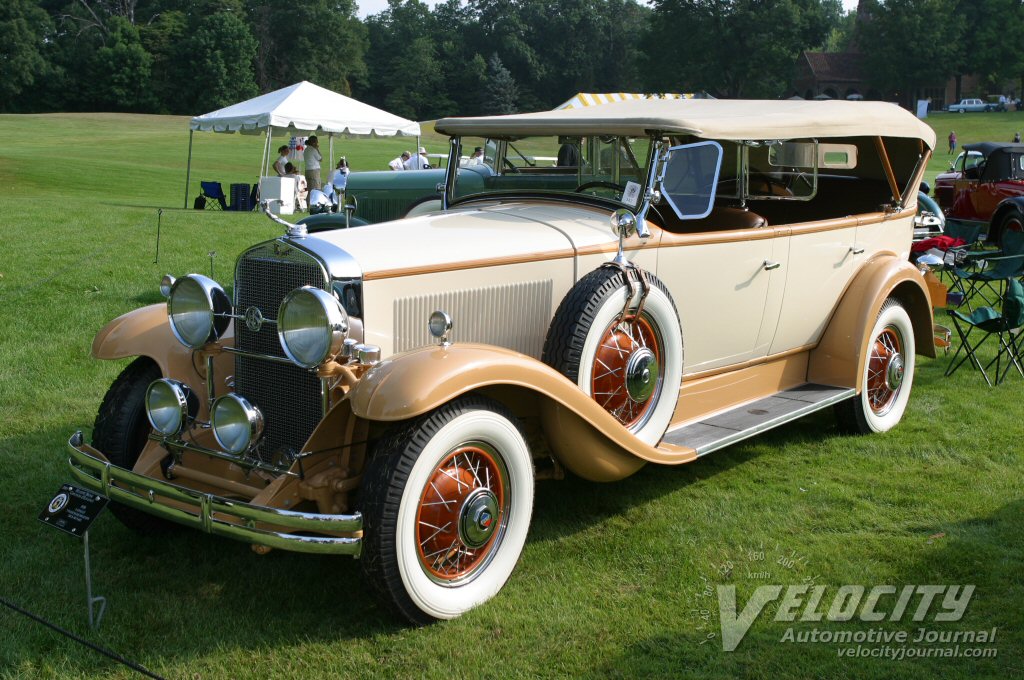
[888, 375]
[446, 502]
[121, 431]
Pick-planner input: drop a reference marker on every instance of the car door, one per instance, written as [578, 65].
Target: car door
[716, 261]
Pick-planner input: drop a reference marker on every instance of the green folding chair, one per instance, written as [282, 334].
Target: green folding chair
[986, 279]
[1007, 325]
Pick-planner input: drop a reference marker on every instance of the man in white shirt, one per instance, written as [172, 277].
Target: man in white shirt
[419, 161]
[312, 158]
[399, 163]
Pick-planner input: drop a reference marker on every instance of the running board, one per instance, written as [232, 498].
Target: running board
[741, 422]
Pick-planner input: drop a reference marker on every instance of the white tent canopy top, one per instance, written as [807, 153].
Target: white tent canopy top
[306, 107]
[302, 107]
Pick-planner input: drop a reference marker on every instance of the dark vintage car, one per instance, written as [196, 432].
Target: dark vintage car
[992, 191]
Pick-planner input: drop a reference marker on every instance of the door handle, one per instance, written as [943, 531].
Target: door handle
[856, 251]
[769, 265]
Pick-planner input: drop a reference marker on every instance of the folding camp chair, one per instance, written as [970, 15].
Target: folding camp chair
[213, 191]
[1006, 325]
[986, 280]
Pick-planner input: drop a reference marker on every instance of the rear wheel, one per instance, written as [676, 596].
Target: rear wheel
[446, 503]
[121, 431]
[1013, 220]
[888, 375]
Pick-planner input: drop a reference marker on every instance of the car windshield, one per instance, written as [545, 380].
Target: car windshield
[610, 167]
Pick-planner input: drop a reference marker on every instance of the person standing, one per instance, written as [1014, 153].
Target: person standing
[282, 160]
[312, 158]
[952, 142]
[1016, 138]
[419, 161]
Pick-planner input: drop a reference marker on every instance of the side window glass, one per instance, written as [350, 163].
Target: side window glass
[691, 178]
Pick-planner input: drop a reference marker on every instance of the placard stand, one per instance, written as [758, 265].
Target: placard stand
[94, 622]
[71, 511]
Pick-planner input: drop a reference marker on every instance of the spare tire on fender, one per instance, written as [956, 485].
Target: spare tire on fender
[632, 366]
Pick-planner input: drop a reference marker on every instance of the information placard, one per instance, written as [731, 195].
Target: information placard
[72, 510]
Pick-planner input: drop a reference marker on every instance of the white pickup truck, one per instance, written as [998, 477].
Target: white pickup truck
[971, 106]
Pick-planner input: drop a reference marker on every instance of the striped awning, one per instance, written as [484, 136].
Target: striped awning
[584, 99]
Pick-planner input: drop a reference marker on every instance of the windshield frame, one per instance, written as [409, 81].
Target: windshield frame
[645, 176]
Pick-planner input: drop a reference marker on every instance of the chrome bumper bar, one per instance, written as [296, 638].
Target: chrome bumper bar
[214, 514]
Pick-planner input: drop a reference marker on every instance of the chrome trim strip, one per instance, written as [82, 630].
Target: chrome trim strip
[96, 474]
[175, 445]
[775, 422]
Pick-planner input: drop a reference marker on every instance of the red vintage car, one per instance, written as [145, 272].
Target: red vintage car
[944, 180]
[992, 191]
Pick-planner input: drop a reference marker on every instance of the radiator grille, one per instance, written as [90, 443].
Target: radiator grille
[288, 396]
[515, 316]
[376, 210]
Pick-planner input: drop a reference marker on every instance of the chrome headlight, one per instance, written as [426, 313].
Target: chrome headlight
[311, 325]
[170, 405]
[237, 424]
[199, 310]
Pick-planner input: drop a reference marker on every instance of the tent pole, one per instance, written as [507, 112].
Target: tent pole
[266, 153]
[330, 136]
[188, 168]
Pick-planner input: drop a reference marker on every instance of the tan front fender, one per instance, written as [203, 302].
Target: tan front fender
[582, 435]
[147, 332]
[839, 357]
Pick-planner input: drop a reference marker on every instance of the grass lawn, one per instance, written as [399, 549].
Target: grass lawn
[614, 578]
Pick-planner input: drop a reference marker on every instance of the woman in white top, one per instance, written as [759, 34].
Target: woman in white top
[281, 161]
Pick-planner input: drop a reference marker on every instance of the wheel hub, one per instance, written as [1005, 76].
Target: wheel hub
[641, 375]
[478, 518]
[894, 372]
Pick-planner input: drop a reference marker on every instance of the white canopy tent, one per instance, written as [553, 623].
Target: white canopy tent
[302, 107]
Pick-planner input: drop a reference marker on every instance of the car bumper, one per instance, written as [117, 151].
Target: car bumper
[214, 514]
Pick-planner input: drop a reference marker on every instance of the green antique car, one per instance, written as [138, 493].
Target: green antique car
[381, 196]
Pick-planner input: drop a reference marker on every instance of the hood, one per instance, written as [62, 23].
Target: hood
[485, 234]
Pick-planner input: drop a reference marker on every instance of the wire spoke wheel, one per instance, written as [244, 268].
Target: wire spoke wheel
[462, 513]
[628, 367]
[887, 376]
[885, 370]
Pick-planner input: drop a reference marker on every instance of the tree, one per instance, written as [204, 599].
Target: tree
[733, 48]
[221, 53]
[501, 93]
[930, 58]
[23, 62]
[119, 70]
[321, 41]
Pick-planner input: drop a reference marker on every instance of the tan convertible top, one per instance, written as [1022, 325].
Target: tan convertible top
[708, 118]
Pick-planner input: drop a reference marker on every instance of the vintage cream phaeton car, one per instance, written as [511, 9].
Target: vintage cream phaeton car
[393, 391]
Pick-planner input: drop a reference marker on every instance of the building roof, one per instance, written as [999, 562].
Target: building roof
[836, 66]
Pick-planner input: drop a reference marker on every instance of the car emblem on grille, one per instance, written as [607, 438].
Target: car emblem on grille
[254, 319]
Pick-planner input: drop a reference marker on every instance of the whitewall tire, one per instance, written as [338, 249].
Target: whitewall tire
[888, 374]
[447, 502]
[631, 365]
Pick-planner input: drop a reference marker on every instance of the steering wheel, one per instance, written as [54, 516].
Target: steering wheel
[600, 183]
